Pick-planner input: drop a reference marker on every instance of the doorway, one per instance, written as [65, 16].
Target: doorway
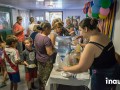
[53, 15]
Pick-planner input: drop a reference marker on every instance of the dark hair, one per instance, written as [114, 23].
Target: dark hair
[31, 19]
[10, 39]
[38, 22]
[45, 25]
[19, 18]
[39, 27]
[90, 23]
[29, 39]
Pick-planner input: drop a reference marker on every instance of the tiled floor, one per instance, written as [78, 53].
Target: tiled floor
[22, 85]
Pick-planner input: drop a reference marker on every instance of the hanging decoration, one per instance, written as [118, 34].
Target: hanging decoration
[105, 14]
[105, 3]
[98, 9]
[106, 24]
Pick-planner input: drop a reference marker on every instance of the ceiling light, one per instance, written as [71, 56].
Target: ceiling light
[40, 0]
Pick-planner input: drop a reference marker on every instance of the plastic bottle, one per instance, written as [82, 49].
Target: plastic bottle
[57, 59]
[66, 60]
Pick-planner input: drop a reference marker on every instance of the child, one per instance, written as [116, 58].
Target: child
[12, 59]
[2, 63]
[28, 56]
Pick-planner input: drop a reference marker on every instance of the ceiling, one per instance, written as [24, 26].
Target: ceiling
[46, 4]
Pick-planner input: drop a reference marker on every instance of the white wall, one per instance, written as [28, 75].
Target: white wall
[116, 35]
[66, 13]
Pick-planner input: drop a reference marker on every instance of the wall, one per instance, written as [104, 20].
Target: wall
[116, 35]
[14, 12]
[66, 13]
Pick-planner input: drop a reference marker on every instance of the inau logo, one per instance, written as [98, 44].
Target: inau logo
[110, 81]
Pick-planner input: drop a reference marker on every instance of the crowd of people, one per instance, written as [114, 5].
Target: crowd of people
[35, 50]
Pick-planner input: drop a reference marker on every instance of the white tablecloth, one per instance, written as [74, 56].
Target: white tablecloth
[57, 78]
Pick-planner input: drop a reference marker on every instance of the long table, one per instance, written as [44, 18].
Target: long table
[56, 78]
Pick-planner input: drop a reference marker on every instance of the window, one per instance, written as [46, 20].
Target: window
[53, 15]
[4, 20]
[39, 18]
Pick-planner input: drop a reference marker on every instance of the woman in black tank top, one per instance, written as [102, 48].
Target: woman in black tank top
[99, 54]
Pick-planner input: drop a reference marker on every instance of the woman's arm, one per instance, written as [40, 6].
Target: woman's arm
[50, 50]
[49, 47]
[52, 37]
[86, 60]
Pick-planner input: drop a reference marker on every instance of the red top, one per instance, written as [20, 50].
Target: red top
[20, 36]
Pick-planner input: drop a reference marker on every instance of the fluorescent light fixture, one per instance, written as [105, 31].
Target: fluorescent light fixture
[40, 0]
[53, 4]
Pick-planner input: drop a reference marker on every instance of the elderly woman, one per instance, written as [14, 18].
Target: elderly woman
[44, 51]
[98, 53]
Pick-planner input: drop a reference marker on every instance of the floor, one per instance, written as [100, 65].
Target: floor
[22, 85]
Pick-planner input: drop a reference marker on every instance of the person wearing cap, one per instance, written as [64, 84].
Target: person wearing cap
[18, 31]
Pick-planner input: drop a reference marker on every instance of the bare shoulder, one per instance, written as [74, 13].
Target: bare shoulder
[89, 48]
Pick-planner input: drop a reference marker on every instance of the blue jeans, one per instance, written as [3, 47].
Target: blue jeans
[99, 78]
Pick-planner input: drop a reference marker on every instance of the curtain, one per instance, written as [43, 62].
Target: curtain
[106, 26]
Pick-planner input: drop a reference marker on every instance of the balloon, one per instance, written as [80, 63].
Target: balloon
[95, 9]
[105, 3]
[102, 16]
[89, 10]
[95, 15]
[89, 14]
[104, 11]
[91, 3]
[86, 15]
[88, 4]
[97, 2]
[112, 1]
[84, 10]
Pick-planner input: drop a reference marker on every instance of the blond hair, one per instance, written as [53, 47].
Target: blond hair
[58, 24]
